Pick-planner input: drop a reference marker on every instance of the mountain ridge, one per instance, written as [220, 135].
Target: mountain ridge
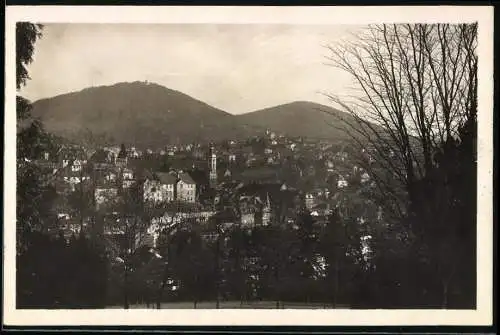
[148, 114]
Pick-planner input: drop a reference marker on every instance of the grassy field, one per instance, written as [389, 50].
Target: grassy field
[233, 305]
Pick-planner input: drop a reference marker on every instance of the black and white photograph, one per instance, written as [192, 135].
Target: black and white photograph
[265, 165]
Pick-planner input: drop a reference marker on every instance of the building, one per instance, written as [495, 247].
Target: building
[213, 168]
[185, 188]
[105, 194]
[266, 212]
[77, 165]
[310, 200]
[133, 153]
[103, 158]
[169, 186]
[127, 178]
[159, 187]
[122, 158]
[365, 177]
[254, 211]
[342, 183]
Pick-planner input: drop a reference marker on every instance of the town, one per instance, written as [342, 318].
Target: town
[263, 181]
[133, 199]
[162, 188]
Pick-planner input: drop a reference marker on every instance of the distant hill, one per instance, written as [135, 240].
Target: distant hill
[149, 115]
[136, 113]
[299, 118]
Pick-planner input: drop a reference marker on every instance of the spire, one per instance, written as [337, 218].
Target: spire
[268, 202]
[123, 151]
[213, 166]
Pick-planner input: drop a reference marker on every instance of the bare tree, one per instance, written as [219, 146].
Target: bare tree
[416, 92]
[416, 88]
[130, 236]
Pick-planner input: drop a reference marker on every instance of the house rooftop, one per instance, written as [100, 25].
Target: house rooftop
[185, 177]
[166, 178]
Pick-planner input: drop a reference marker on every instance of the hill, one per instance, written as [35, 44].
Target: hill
[299, 118]
[136, 113]
[149, 115]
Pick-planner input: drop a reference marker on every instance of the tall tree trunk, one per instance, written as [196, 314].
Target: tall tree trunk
[159, 294]
[444, 303]
[125, 289]
[195, 295]
[217, 273]
[276, 279]
[81, 201]
[336, 284]
[165, 276]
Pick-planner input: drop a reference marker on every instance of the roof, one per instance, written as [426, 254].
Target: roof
[185, 177]
[273, 192]
[122, 153]
[166, 178]
[199, 176]
[226, 215]
[100, 156]
[181, 207]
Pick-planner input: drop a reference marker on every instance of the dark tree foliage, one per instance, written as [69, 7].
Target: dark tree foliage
[446, 231]
[419, 86]
[194, 266]
[51, 273]
[26, 36]
[54, 273]
[31, 140]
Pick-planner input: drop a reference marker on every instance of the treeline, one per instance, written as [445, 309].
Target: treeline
[60, 273]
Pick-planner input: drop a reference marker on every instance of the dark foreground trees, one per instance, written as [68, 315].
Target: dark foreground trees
[56, 273]
[413, 121]
[52, 272]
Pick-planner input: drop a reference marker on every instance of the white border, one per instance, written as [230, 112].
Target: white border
[292, 15]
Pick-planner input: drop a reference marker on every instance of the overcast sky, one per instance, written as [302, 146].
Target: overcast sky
[237, 68]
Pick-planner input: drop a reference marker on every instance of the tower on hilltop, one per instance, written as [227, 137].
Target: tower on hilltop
[213, 167]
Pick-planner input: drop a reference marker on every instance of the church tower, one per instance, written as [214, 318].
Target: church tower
[213, 167]
[266, 212]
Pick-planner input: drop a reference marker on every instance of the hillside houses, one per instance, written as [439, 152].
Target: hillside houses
[159, 187]
[246, 178]
[266, 204]
[169, 186]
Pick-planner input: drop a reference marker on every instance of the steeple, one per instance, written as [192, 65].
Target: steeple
[268, 202]
[266, 211]
[213, 167]
[121, 159]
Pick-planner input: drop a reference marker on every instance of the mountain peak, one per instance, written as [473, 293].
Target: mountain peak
[298, 118]
[139, 113]
[149, 115]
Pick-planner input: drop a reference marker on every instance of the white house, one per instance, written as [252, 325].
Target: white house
[365, 177]
[309, 201]
[167, 187]
[341, 183]
[185, 188]
[128, 178]
[159, 187]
